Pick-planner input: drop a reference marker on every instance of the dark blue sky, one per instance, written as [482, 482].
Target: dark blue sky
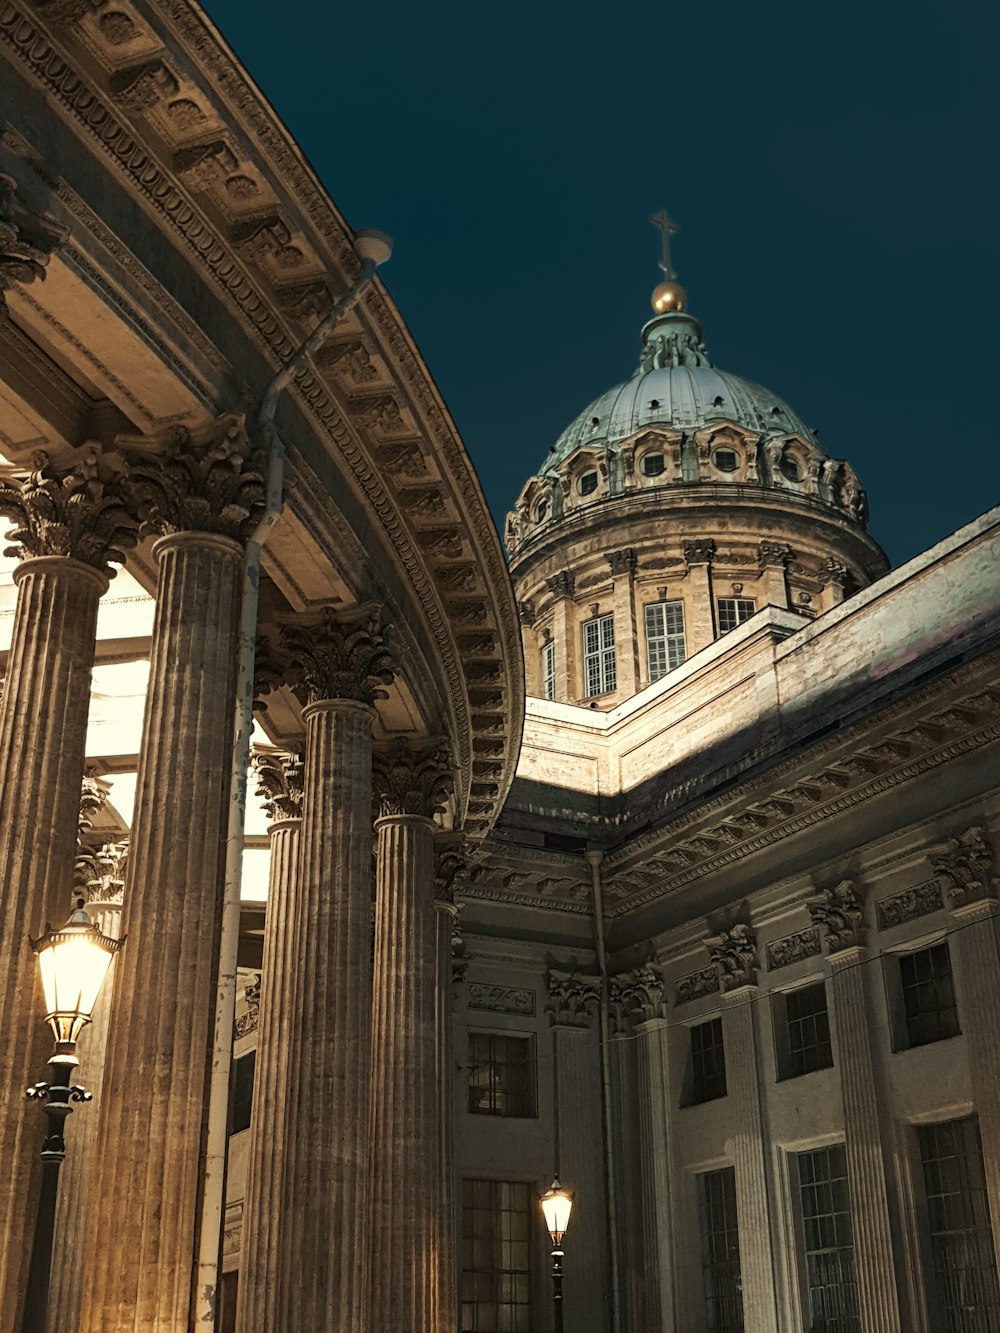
[833, 167]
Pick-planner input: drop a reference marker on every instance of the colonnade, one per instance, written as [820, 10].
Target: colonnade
[347, 1209]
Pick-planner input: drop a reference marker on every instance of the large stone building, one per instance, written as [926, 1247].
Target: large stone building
[715, 940]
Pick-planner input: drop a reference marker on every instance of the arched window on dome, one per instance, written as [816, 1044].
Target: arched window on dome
[587, 484]
[654, 464]
[726, 460]
[790, 468]
[541, 511]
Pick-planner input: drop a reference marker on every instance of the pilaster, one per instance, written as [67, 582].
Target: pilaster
[280, 782]
[840, 912]
[699, 601]
[734, 953]
[623, 566]
[964, 869]
[565, 632]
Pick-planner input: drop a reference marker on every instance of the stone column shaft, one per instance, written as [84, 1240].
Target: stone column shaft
[753, 1212]
[406, 1134]
[147, 1185]
[654, 1156]
[979, 968]
[43, 727]
[873, 1257]
[627, 643]
[699, 602]
[447, 1295]
[323, 1234]
[276, 1084]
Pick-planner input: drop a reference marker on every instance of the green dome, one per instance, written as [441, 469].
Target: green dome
[676, 387]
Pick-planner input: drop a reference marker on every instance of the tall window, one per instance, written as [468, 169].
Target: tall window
[599, 655]
[241, 1094]
[548, 670]
[963, 1278]
[733, 611]
[501, 1074]
[496, 1278]
[928, 995]
[825, 1203]
[720, 1251]
[708, 1063]
[664, 637]
[802, 1031]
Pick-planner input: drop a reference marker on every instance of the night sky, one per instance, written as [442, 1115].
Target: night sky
[833, 169]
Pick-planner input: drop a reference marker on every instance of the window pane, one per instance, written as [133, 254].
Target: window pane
[824, 1200]
[501, 1075]
[963, 1280]
[720, 1251]
[809, 1045]
[665, 645]
[496, 1280]
[548, 671]
[928, 995]
[600, 669]
[708, 1062]
[734, 611]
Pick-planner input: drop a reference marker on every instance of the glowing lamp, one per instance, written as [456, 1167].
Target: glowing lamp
[73, 961]
[557, 1204]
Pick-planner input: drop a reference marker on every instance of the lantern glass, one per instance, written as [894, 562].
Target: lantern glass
[73, 962]
[557, 1204]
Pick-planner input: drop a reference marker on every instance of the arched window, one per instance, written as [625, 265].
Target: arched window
[587, 484]
[653, 464]
[726, 460]
[541, 511]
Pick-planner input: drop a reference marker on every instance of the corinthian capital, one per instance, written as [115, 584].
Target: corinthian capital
[450, 861]
[279, 783]
[211, 480]
[82, 511]
[840, 911]
[734, 953]
[412, 779]
[339, 658]
[963, 867]
[637, 996]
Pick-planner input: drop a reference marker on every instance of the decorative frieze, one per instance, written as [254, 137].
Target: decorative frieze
[501, 999]
[793, 948]
[694, 985]
[573, 999]
[734, 953]
[963, 867]
[339, 658]
[412, 779]
[279, 783]
[840, 912]
[638, 996]
[908, 905]
[247, 1021]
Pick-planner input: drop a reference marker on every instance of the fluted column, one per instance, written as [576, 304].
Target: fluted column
[203, 495]
[449, 862]
[68, 526]
[406, 1104]
[279, 782]
[840, 913]
[323, 1232]
[734, 953]
[964, 868]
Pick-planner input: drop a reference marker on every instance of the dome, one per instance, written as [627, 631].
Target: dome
[676, 387]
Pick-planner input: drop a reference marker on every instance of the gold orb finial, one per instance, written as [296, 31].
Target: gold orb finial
[669, 296]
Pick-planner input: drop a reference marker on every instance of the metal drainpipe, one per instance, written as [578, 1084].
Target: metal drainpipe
[373, 248]
[594, 859]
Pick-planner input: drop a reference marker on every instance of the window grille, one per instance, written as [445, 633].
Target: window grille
[720, 1251]
[825, 1202]
[664, 637]
[241, 1100]
[962, 1277]
[653, 465]
[501, 1075]
[587, 484]
[928, 995]
[808, 1031]
[496, 1274]
[548, 670]
[600, 669]
[708, 1062]
[734, 611]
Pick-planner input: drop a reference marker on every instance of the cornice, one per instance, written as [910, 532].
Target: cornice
[214, 181]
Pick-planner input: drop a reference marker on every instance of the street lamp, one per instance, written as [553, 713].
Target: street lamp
[557, 1204]
[73, 961]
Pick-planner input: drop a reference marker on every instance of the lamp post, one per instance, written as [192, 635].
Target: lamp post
[557, 1204]
[73, 961]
